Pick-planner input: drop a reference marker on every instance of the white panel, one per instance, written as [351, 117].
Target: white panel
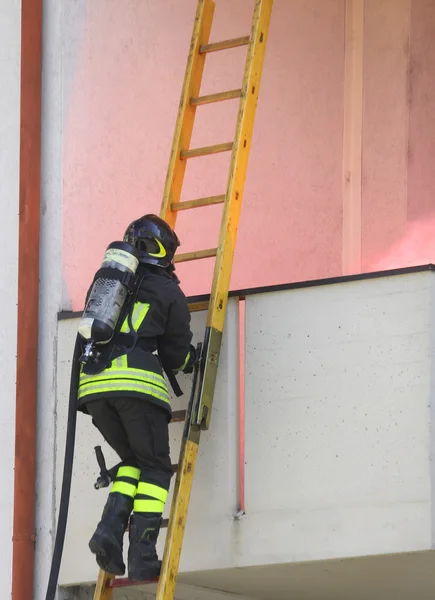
[10, 50]
[408, 576]
[337, 421]
[338, 384]
[214, 493]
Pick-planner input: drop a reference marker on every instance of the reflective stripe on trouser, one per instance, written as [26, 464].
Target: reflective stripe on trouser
[149, 498]
[126, 481]
[122, 378]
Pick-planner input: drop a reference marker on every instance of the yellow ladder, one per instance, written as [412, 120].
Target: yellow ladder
[199, 412]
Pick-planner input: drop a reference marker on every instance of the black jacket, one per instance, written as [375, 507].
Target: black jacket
[161, 319]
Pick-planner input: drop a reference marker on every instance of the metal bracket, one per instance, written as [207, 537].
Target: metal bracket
[191, 430]
[209, 367]
[239, 515]
[106, 475]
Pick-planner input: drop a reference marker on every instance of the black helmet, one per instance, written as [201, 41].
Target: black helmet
[154, 239]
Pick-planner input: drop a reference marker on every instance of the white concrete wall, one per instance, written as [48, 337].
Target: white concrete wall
[338, 442]
[338, 439]
[50, 289]
[10, 50]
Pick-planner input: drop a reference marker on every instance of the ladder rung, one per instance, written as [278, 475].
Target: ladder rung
[165, 523]
[206, 150]
[230, 95]
[225, 45]
[198, 306]
[196, 255]
[119, 582]
[178, 416]
[174, 468]
[198, 202]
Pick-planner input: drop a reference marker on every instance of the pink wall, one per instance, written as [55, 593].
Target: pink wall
[385, 125]
[403, 223]
[421, 148]
[124, 64]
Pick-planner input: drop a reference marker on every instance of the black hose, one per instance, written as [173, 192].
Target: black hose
[67, 473]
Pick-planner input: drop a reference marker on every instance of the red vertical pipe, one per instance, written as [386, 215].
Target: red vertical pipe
[28, 290]
[241, 405]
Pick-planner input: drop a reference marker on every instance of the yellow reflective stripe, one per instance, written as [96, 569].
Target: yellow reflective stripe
[162, 251]
[124, 386]
[150, 374]
[185, 362]
[117, 363]
[149, 489]
[144, 506]
[134, 374]
[124, 372]
[142, 313]
[139, 313]
[125, 327]
[128, 489]
[131, 472]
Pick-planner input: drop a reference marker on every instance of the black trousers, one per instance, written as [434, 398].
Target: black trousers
[138, 431]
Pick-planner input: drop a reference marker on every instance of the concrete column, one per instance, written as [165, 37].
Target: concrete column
[50, 287]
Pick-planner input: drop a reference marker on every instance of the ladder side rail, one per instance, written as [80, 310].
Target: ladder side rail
[181, 496]
[103, 591]
[233, 204]
[186, 111]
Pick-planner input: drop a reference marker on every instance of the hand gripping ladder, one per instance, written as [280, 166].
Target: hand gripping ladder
[198, 414]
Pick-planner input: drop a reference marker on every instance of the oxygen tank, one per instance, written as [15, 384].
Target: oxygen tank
[107, 297]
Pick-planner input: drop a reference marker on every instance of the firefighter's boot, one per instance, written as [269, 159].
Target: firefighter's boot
[143, 563]
[106, 543]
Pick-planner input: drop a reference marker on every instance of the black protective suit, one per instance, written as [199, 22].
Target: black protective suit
[129, 404]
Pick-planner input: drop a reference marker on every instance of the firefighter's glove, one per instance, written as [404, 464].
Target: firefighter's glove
[192, 361]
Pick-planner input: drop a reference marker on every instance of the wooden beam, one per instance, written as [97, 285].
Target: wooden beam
[225, 45]
[352, 137]
[219, 97]
[207, 150]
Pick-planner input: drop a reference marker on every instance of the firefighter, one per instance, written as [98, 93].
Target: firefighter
[129, 403]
